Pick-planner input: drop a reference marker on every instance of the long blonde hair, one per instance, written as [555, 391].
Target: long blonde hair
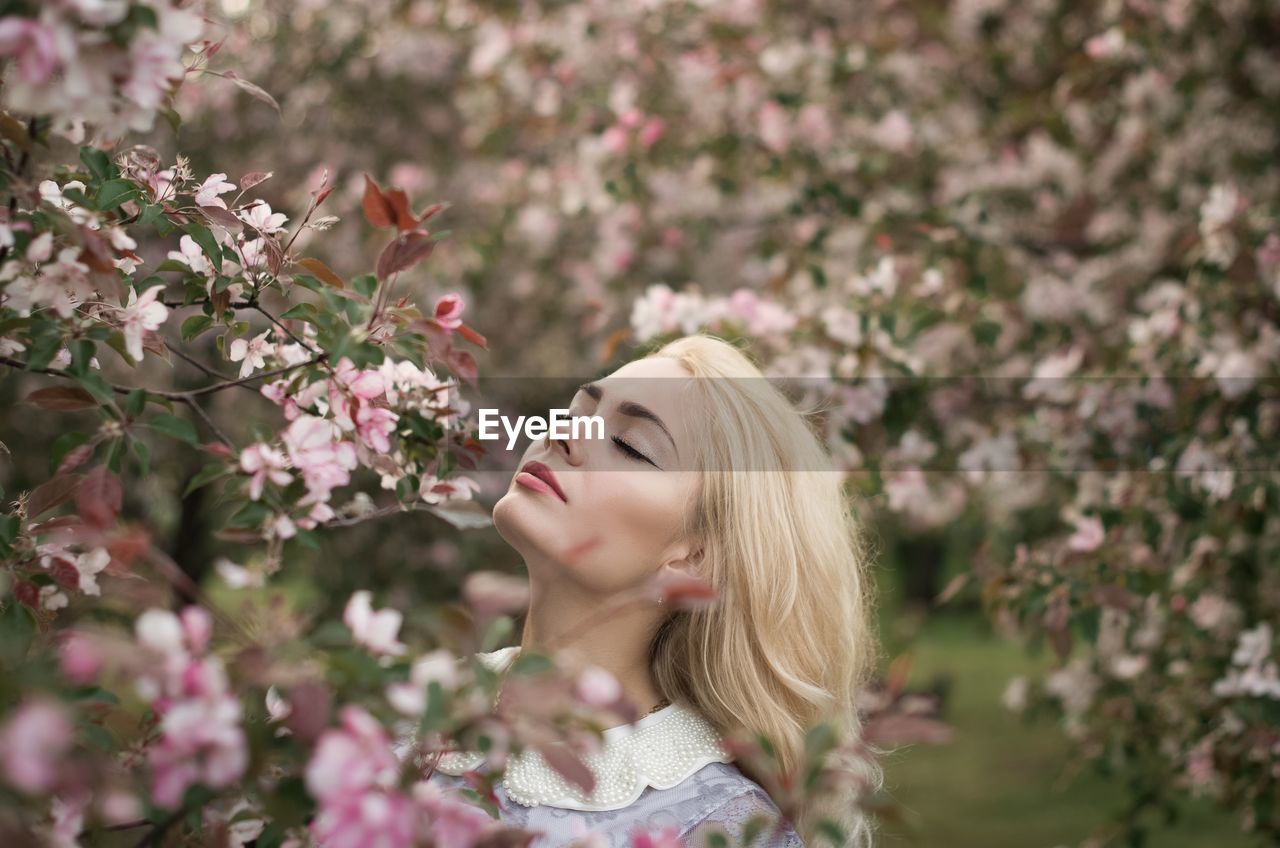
[792, 640]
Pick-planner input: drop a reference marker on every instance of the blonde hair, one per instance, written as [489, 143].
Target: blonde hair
[792, 641]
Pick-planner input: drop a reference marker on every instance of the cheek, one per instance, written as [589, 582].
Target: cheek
[628, 521]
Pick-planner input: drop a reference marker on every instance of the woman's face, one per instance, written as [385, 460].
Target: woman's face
[622, 516]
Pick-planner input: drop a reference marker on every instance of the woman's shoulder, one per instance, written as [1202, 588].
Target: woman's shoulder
[731, 800]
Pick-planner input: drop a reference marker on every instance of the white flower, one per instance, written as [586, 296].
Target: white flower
[140, 315]
[252, 352]
[216, 184]
[375, 630]
[89, 565]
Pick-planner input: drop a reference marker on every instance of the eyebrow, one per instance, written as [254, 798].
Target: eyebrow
[630, 408]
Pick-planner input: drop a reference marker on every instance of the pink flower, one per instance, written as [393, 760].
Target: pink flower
[373, 817]
[653, 129]
[324, 461]
[260, 217]
[449, 311]
[354, 757]
[598, 687]
[1088, 536]
[251, 351]
[216, 184]
[455, 823]
[375, 630]
[140, 315]
[202, 742]
[32, 44]
[374, 424]
[79, 659]
[774, 126]
[32, 742]
[264, 462]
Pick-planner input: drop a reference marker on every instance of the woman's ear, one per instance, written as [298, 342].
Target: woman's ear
[689, 565]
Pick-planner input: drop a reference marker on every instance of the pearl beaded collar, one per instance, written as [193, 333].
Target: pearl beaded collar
[659, 750]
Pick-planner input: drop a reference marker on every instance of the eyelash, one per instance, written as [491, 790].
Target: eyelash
[630, 451]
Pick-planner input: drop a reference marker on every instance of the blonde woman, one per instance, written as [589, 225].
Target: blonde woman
[705, 470]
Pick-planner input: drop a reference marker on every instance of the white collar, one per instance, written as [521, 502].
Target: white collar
[659, 750]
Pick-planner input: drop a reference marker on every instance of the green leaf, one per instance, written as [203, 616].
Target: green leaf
[135, 402]
[205, 476]
[97, 162]
[194, 326]
[303, 311]
[17, 629]
[97, 387]
[115, 454]
[205, 239]
[113, 193]
[179, 428]
[144, 455]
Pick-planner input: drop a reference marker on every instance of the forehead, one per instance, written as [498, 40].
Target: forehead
[660, 383]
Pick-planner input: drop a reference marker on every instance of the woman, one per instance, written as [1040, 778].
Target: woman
[706, 470]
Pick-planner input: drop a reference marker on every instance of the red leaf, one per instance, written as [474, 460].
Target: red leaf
[472, 336]
[223, 218]
[28, 593]
[51, 493]
[218, 449]
[377, 209]
[62, 398]
[404, 251]
[464, 365]
[400, 208]
[98, 497]
[322, 272]
[75, 458]
[254, 178]
[560, 758]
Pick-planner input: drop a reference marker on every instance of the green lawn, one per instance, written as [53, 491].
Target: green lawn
[1000, 782]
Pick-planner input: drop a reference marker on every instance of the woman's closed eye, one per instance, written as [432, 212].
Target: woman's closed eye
[632, 452]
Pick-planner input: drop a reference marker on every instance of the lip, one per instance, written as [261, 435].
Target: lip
[543, 478]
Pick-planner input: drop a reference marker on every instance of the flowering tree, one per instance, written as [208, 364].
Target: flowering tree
[962, 215]
[236, 716]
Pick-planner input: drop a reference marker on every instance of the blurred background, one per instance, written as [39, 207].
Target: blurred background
[969, 189]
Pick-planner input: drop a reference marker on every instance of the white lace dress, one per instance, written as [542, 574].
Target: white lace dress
[666, 770]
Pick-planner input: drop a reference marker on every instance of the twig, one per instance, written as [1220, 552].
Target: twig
[196, 408]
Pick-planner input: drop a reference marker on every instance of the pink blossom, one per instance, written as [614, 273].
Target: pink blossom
[324, 461]
[79, 659]
[614, 140]
[652, 131]
[207, 193]
[88, 565]
[259, 216]
[774, 126]
[140, 315]
[354, 757]
[264, 463]
[410, 698]
[371, 817]
[202, 742]
[374, 424]
[32, 742]
[375, 630]
[598, 687]
[191, 255]
[449, 311]
[253, 352]
[32, 44]
[455, 823]
[1088, 536]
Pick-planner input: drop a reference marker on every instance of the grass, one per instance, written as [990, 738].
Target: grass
[1000, 783]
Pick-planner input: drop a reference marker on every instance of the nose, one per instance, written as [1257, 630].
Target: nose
[570, 447]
